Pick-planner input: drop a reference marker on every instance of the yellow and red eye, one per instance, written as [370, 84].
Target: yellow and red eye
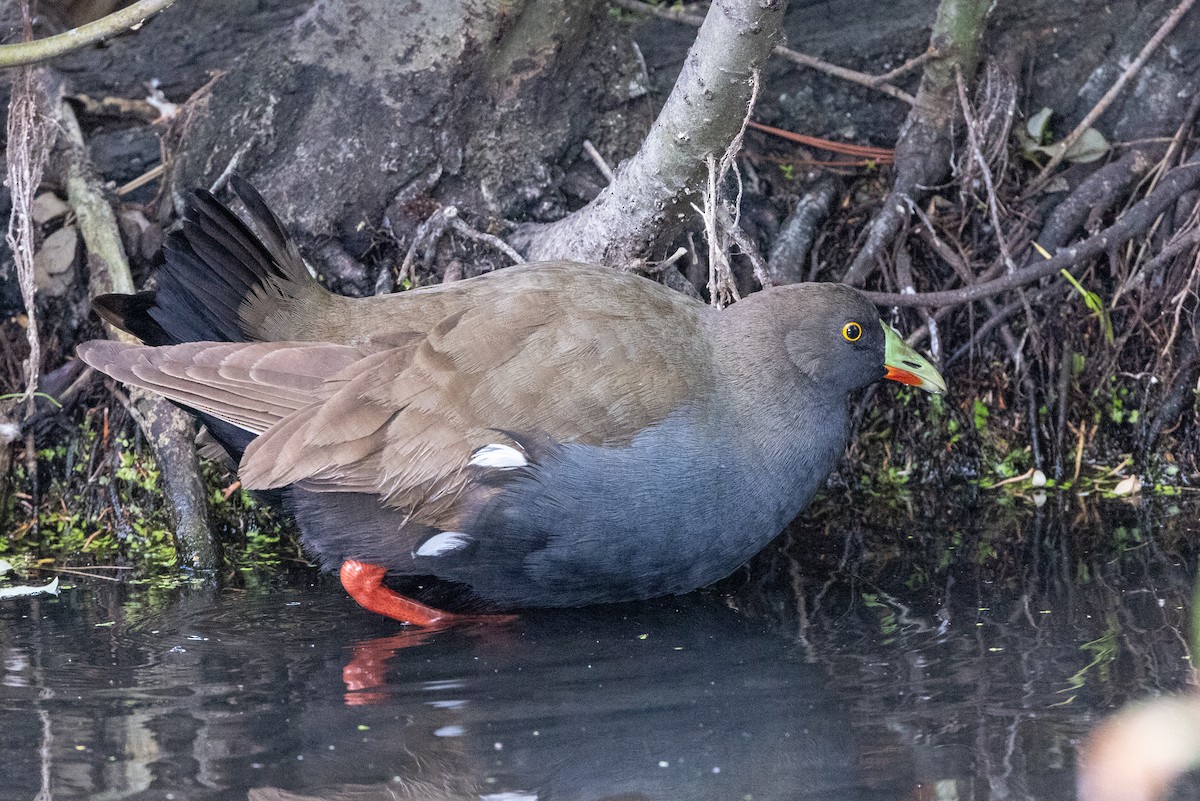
[852, 332]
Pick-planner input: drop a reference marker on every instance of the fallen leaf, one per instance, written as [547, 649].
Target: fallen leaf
[25, 590]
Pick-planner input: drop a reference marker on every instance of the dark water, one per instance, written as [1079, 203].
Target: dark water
[961, 656]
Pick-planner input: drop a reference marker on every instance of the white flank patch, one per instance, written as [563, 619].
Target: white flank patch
[500, 456]
[439, 544]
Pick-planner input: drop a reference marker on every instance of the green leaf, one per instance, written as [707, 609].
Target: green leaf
[1088, 147]
[1038, 125]
[1093, 302]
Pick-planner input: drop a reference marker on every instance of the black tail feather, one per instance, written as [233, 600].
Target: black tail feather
[271, 233]
[211, 267]
[131, 313]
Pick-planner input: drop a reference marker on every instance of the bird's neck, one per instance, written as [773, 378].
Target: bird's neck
[786, 423]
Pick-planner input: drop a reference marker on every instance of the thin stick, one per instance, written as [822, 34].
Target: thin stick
[718, 218]
[78, 572]
[598, 160]
[880, 155]
[458, 224]
[1102, 105]
[31, 134]
[143, 179]
[131, 18]
[908, 66]
[876, 82]
[849, 75]
[231, 167]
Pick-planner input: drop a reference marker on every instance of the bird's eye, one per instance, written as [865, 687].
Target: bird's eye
[851, 332]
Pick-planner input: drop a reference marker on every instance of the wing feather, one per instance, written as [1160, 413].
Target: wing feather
[400, 413]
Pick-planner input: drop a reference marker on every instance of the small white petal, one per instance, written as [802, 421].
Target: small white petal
[500, 456]
[439, 544]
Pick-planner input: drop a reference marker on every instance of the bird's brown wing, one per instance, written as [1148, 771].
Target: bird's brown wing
[401, 414]
[405, 420]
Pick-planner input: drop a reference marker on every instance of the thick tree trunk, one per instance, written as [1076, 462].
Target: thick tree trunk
[648, 200]
[368, 107]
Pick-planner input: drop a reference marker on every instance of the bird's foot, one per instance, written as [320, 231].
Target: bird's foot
[364, 582]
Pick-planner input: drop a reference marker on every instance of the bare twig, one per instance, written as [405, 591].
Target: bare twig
[908, 66]
[460, 225]
[137, 183]
[426, 238]
[904, 275]
[230, 167]
[722, 289]
[1104, 102]
[750, 250]
[131, 18]
[598, 160]
[879, 155]
[984, 170]
[721, 223]
[877, 82]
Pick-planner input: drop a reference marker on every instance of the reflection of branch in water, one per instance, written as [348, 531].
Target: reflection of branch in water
[45, 750]
[1018, 591]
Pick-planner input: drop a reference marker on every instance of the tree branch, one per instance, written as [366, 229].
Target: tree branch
[14, 55]
[702, 115]
[168, 428]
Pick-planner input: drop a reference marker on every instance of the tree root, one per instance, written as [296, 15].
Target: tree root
[1182, 389]
[785, 265]
[1133, 222]
[1097, 193]
[925, 143]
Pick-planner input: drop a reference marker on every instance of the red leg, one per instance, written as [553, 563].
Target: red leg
[364, 582]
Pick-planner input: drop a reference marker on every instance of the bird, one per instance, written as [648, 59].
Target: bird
[545, 435]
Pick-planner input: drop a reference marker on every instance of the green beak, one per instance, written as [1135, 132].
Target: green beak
[907, 366]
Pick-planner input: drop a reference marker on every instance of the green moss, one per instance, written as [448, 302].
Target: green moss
[100, 503]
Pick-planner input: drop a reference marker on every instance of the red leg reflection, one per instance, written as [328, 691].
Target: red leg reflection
[367, 667]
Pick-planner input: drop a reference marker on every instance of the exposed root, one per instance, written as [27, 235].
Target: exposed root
[31, 134]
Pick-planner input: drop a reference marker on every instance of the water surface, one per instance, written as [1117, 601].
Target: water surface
[962, 655]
